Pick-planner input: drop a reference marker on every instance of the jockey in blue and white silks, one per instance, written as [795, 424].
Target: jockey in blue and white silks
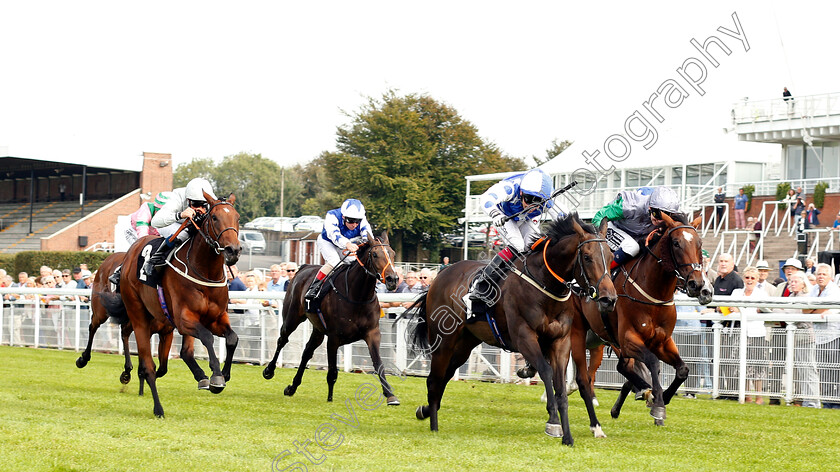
[505, 200]
[343, 228]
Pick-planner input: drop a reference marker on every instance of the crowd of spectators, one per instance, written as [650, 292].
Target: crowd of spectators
[816, 344]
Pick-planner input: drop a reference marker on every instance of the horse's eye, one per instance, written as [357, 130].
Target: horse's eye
[676, 243]
[375, 255]
[587, 258]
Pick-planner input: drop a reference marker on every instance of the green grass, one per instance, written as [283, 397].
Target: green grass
[54, 416]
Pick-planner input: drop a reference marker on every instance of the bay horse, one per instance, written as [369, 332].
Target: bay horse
[642, 323]
[99, 315]
[195, 292]
[349, 312]
[533, 316]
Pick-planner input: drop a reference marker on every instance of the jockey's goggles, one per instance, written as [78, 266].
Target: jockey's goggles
[656, 213]
[530, 199]
[197, 203]
[352, 221]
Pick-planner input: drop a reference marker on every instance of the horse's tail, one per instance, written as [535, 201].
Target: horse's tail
[417, 334]
[114, 305]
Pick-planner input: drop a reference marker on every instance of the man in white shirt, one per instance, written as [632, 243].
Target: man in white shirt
[827, 334]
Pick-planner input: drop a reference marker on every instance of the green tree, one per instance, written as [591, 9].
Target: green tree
[553, 151]
[406, 157]
[198, 167]
[255, 181]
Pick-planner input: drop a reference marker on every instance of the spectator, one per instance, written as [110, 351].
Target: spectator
[763, 272]
[812, 216]
[740, 209]
[725, 283]
[837, 222]
[720, 200]
[77, 276]
[800, 193]
[798, 211]
[791, 266]
[801, 235]
[235, 284]
[711, 274]
[425, 277]
[445, 263]
[827, 335]
[277, 280]
[414, 285]
[52, 309]
[806, 377]
[45, 271]
[809, 266]
[754, 226]
[694, 337]
[291, 271]
[758, 347]
[251, 318]
[788, 98]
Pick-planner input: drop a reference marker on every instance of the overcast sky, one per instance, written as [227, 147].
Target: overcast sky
[99, 81]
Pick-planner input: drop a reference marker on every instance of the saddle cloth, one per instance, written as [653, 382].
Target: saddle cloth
[153, 279]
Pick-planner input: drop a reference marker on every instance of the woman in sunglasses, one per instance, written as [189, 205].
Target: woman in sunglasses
[633, 214]
[343, 228]
[505, 203]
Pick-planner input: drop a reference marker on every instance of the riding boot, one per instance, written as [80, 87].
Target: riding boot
[158, 259]
[486, 286]
[314, 289]
[115, 277]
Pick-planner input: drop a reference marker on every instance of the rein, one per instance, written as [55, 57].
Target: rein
[651, 300]
[380, 277]
[212, 242]
[592, 290]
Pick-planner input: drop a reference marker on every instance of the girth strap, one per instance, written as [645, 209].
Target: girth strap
[538, 287]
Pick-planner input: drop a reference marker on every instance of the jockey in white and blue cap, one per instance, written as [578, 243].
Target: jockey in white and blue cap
[506, 203]
[344, 229]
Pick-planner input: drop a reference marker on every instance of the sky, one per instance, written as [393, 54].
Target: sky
[99, 82]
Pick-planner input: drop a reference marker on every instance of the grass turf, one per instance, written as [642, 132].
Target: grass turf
[56, 417]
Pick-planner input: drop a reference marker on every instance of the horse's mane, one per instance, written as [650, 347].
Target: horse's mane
[562, 227]
[680, 218]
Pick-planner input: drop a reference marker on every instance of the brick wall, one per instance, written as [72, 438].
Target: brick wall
[99, 226]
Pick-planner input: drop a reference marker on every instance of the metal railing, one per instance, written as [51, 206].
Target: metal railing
[777, 109]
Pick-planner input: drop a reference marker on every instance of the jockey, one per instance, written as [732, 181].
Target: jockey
[507, 199]
[185, 202]
[141, 225]
[633, 214]
[343, 228]
[141, 220]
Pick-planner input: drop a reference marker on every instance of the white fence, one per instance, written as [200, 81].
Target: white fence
[793, 363]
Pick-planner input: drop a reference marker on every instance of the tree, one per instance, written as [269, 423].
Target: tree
[406, 158]
[255, 180]
[553, 151]
[198, 167]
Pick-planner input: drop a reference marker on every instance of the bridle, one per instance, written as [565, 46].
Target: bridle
[364, 266]
[695, 266]
[213, 240]
[591, 290]
[381, 276]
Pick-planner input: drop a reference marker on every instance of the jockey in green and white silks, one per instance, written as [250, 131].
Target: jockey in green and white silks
[344, 229]
[501, 202]
[633, 214]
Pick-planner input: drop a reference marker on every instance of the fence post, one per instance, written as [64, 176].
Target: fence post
[716, 329]
[78, 310]
[12, 325]
[262, 336]
[742, 360]
[2, 317]
[348, 357]
[504, 366]
[790, 334]
[37, 315]
[401, 354]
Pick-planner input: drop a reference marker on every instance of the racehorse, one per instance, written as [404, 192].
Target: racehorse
[642, 323]
[99, 315]
[194, 292]
[348, 312]
[533, 316]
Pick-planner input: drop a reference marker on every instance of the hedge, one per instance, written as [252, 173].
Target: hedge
[31, 261]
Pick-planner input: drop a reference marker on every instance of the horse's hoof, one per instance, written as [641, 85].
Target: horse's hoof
[659, 422]
[595, 402]
[614, 413]
[268, 373]
[598, 432]
[227, 377]
[217, 384]
[422, 412]
[125, 378]
[658, 413]
[204, 384]
[329, 399]
[81, 362]
[159, 412]
[554, 430]
[526, 372]
[393, 401]
[568, 441]
[289, 391]
[648, 394]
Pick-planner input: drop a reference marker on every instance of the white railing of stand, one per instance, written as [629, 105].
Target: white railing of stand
[715, 224]
[775, 221]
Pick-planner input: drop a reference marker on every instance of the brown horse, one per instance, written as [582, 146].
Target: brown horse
[99, 315]
[195, 293]
[641, 325]
[533, 316]
[349, 312]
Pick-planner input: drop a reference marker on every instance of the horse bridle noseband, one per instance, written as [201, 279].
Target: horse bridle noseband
[592, 290]
[695, 267]
[380, 277]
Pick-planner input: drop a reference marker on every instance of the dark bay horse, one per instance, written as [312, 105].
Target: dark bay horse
[99, 315]
[642, 323]
[533, 315]
[195, 293]
[349, 312]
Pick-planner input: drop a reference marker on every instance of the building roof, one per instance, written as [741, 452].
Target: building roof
[17, 167]
[93, 158]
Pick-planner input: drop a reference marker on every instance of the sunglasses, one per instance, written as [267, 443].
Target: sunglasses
[750, 278]
[196, 203]
[422, 278]
[352, 221]
[65, 275]
[291, 270]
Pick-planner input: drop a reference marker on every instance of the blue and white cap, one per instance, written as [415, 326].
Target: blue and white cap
[352, 208]
[537, 183]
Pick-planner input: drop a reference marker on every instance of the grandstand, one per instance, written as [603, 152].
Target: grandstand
[56, 205]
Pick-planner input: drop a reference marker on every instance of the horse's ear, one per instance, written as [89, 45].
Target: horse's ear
[231, 198]
[208, 198]
[603, 229]
[697, 222]
[578, 228]
[384, 237]
[666, 218]
[370, 236]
